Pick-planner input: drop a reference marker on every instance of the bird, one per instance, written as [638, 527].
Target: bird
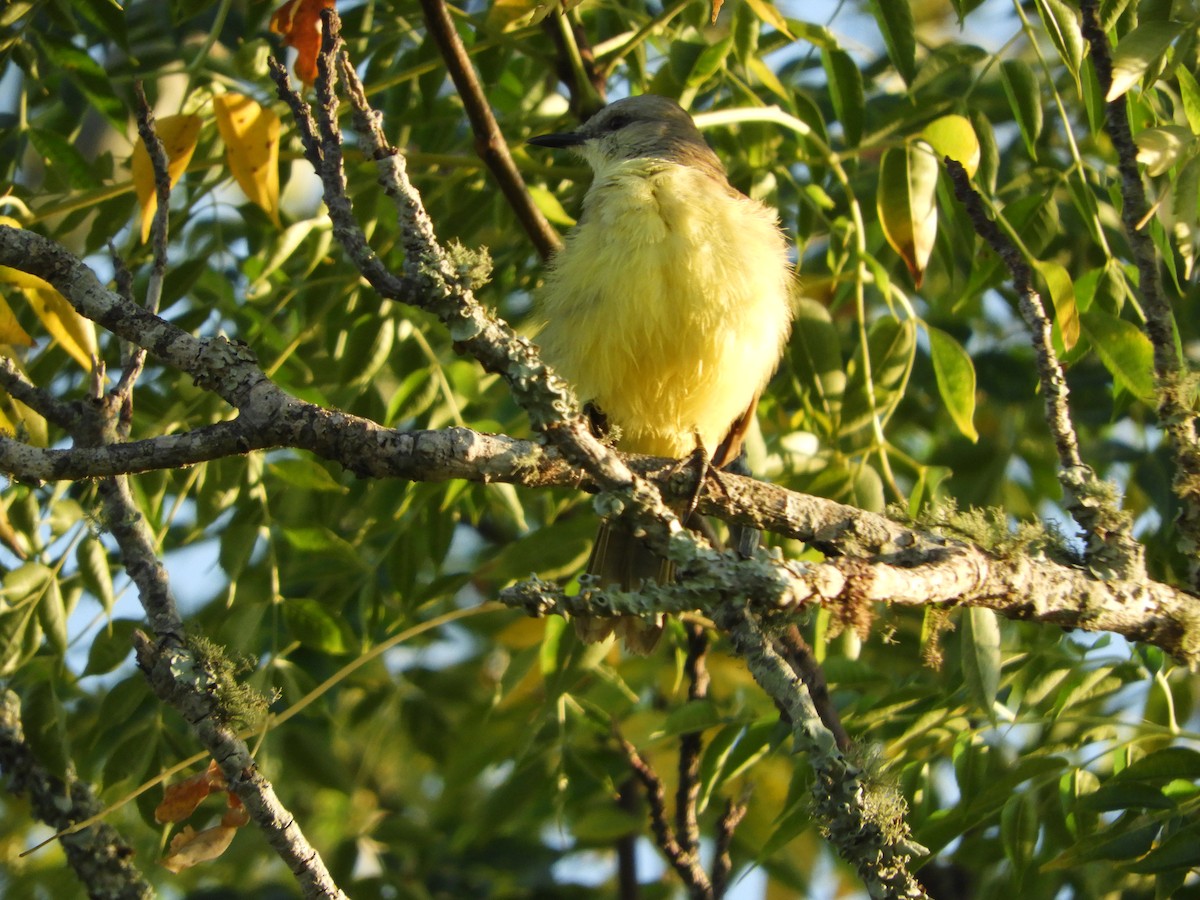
[667, 309]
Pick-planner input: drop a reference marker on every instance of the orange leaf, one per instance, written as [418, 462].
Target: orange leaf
[190, 847]
[299, 22]
[237, 815]
[181, 799]
[251, 135]
[178, 135]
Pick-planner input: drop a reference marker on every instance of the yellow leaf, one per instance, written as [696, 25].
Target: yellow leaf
[954, 136]
[11, 331]
[178, 135]
[766, 12]
[907, 203]
[74, 333]
[251, 135]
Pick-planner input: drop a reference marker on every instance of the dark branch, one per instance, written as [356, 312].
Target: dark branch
[489, 142]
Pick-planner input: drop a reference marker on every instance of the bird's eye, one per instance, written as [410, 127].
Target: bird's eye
[617, 122]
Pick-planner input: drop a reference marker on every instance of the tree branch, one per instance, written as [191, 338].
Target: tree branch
[489, 142]
[101, 858]
[685, 862]
[1110, 547]
[864, 821]
[1174, 385]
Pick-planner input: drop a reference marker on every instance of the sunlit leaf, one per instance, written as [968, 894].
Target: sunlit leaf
[178, 135]
[1124, 349]
[1189, 92]
[251, 135]
[73, 332]
[11, 331]
[1137, 51]
[767, 13]
[1181, 212]
[954, 136]
[190, 847]
[1062, 293]
[907, 203]
[1160, 148]
[1062, 24]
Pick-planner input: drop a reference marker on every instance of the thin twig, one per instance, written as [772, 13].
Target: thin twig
[1111, 550]
[575, 64]
[686, 864]
[489, 142]
[159, 232]
[687, 793]
[1174, 386]
[723, 862]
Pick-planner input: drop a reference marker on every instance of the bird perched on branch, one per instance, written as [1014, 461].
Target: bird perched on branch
[667, 309]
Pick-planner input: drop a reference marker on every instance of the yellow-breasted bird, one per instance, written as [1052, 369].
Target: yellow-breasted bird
[667, 309]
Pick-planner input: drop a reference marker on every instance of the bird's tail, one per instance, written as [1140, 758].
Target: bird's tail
[622, 561]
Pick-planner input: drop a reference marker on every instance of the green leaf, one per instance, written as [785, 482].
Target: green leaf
[111, 646]
[1159, 149]
[693, 716]
[710, 61]
[907, 203]
[52, 616]
[1183, 211]
[1180, 851]
[846, 91]
[1162, 765]
[1062, 293]
[92, 559]
[895, 20]
[1189, 92]
[1117, 842]
[981, 656]
[1062, 24]
[63, 159]
[1019, 826]
[1025, 99]
[305, 473]
[1124, 349]
[955, 374]
[1137, 51]
[313, 626]
[107, 16]
[550, 206]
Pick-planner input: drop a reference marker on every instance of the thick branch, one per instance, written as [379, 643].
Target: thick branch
[1020, 587]
[101, 858]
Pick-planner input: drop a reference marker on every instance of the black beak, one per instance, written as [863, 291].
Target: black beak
[563, 139]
